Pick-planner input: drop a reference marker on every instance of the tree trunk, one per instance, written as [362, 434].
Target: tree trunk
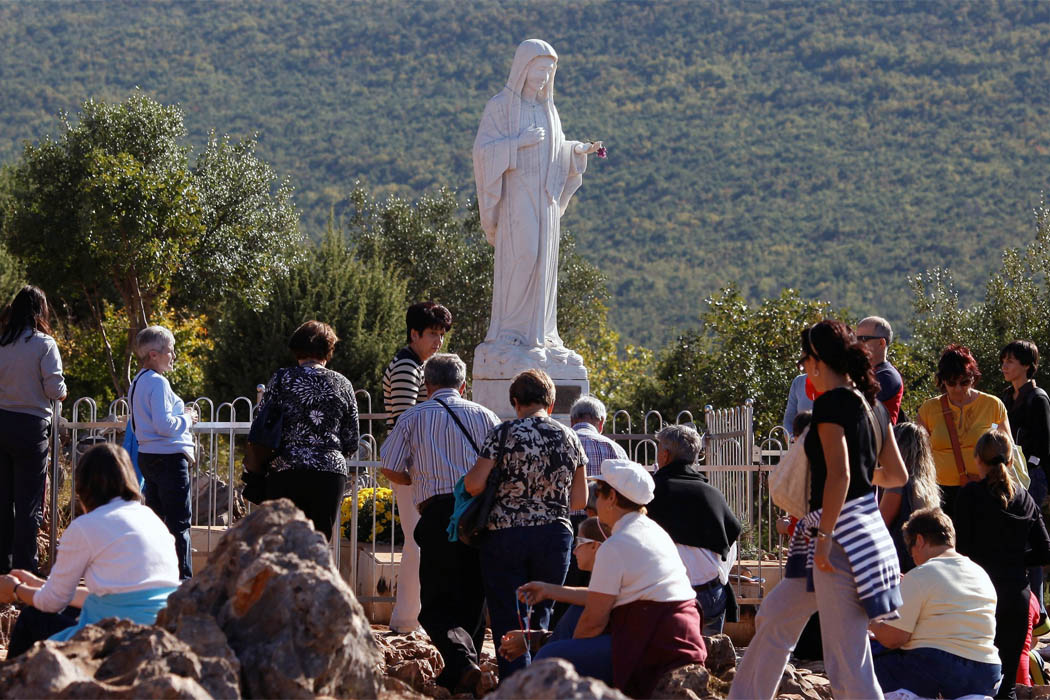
[96, 312]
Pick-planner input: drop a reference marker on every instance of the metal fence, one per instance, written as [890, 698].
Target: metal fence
[735, 465]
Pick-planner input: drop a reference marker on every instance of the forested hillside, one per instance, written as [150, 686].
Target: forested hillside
[833, 147]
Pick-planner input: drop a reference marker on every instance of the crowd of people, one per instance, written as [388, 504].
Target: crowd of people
[922, 548]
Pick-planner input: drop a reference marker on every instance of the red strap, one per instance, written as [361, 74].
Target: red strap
[949, 418]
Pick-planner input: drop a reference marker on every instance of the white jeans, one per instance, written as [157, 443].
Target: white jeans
[843, 631]
[405, 616]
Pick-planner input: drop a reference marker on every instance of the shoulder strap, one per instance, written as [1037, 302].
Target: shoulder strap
[949, 419]
[131, 394]
[462, 429]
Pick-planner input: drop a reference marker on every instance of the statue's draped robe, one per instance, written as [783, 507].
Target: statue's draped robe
[522, 194]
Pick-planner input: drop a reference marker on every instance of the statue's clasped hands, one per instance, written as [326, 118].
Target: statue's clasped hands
[531, 136]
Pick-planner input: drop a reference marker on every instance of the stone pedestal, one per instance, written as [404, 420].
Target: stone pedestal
[496, 364]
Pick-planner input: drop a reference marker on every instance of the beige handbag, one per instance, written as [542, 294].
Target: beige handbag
[789, 481]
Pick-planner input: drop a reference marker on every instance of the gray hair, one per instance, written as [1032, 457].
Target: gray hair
[587, 406]
[882, 327]
[156, 338]
[682, 441]
[445, 371]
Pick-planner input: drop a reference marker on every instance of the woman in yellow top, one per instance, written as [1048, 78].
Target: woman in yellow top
[973, 413]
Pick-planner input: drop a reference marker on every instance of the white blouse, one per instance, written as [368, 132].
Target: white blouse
[116, 548]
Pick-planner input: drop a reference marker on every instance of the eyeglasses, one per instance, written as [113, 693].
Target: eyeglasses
[801, 362]
[965, 381]
[580, 541]
[866, 338]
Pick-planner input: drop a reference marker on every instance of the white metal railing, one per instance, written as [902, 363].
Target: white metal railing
[732, 461]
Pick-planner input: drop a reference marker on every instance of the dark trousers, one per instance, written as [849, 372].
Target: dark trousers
[451, 593]
[932, 673]
[318, 494]
[23, 472]
[514, 556]
[34, 626]
[1011, 629]
[167, 492]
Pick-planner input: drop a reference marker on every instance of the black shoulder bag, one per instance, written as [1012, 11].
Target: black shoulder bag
[264, 439]
[473, 523]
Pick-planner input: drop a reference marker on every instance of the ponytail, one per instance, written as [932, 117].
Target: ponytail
[995, 451]
[860, 371]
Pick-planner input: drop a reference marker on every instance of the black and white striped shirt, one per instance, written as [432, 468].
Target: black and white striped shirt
[402, 384]
[427, 443]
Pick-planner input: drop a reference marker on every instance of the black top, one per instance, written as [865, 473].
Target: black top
[844, 407]
[1029, 418]
[1002, 541]
[693, 512]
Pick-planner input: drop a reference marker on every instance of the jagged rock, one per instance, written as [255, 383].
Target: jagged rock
[1034, 692]
[684, 683]
[721, 654]
[294, 624]
[554, 678]
[393, 689]
[120, 659]
[796, 682]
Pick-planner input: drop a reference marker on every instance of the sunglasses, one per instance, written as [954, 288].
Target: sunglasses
[866, 338]
[580, 541]
[967, 381]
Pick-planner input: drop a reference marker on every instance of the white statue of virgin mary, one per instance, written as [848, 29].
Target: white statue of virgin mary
[526, 173]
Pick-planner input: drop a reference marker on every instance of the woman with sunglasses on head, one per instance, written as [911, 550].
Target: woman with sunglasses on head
[841, 560]
[963, 411]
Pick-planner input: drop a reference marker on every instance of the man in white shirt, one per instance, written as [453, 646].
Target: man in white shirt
[944, 638]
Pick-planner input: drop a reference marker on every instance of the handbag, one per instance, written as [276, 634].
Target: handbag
[131, 441]
[473, 521]
[264, 437]
[789, 482]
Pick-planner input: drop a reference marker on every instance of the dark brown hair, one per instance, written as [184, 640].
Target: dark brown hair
[1024, 351]
[933, 524]
[956, 363]
[105, 473]
[29, 309]
[533, 386]
[313, 341]
[424, 315]
[996, 450]
[834, 343]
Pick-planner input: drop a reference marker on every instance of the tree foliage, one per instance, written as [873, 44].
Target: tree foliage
[361, 300]
[109, 216]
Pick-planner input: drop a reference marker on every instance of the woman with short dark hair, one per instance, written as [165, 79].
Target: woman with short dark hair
[971, 414]
[30, 379]
[319, 429]
[542, 477]
[119, 547]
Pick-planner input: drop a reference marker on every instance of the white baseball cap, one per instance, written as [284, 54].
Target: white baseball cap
[629, 478]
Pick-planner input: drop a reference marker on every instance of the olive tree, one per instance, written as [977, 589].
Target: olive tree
[110, 211]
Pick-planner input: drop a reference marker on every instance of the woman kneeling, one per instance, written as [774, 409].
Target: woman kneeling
[121, 549]
[640, 612]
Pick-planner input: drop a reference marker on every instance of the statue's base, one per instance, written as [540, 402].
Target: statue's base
[496, 364]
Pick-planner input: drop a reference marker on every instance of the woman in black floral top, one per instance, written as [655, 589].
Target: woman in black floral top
[542, 478]
[319, 430]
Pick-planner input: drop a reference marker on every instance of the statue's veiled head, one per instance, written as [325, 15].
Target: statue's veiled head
[534, 61]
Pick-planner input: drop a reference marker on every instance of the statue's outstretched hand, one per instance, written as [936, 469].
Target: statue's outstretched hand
[588, 148]
[531, 136]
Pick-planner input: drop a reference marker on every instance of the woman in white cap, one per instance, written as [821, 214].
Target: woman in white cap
[639, 592]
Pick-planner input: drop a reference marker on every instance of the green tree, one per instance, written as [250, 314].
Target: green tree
[362, 301]
[111, 213]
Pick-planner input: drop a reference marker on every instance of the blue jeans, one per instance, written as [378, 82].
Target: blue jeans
[514, 556]
[932, 673]
[591, 657]
[712, 599]
[167, 492]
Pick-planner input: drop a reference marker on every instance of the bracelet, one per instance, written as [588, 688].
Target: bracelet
[821, 535]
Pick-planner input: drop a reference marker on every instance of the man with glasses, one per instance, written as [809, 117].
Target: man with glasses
[877, 334]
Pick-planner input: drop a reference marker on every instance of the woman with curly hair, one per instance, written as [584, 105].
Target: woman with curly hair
[841, 559]
[921, 491]
[956, 419]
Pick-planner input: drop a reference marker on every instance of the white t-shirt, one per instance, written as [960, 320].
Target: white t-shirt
[703, 565]
[949, 604]
[120, 547]
[639, 561]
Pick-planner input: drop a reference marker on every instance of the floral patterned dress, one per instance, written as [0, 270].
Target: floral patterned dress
[319, 427]
[540, 457]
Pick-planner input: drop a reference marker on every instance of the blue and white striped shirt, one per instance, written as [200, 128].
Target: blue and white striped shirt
[427, 443]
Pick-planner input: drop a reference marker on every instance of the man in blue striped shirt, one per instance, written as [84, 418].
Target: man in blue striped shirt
[587, 417]
[432, 445]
